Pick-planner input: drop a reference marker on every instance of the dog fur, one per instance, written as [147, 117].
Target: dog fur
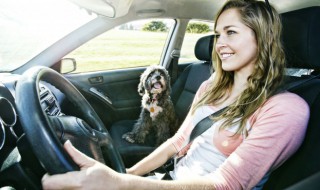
[157, 120]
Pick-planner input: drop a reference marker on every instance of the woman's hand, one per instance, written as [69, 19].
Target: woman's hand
[92, 174]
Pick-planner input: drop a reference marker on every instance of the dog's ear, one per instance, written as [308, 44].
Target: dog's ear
[167, 76]
[168, 80]
[141, 88]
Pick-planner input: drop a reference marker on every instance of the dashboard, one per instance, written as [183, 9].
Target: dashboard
[20, 167]
[10, 128]
[8, 119]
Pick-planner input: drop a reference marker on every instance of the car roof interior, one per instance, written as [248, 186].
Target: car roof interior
[169, 8]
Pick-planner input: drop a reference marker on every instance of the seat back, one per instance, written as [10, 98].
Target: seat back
[188, 82]
[301, 29]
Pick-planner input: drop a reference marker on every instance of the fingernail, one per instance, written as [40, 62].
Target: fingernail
[68, 142]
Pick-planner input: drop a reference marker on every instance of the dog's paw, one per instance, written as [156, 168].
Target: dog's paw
[128, 137]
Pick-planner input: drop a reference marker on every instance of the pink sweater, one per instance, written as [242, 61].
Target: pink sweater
[277, 130]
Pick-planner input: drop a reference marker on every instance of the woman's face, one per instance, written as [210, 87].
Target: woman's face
[236, 43]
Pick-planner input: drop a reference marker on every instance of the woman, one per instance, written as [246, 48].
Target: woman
[259, 130]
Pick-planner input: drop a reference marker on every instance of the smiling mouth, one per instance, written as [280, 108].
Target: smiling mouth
[226, 55]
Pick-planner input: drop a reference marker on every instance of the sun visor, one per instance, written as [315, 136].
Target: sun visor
[108, 8]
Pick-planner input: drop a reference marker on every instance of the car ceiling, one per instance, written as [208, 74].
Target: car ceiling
[185, 9]
[206, 9]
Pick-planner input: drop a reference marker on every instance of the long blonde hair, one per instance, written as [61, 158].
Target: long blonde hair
[269, 68]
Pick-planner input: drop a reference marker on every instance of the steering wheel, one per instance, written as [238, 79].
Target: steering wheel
[47, 133]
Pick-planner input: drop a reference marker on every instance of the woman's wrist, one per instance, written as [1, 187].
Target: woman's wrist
[134, 170]
[124, 182]
[138, 169]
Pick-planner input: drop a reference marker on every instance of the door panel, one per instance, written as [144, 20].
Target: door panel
[113, 94]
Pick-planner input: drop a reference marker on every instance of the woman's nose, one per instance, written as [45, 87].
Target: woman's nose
[221, 42]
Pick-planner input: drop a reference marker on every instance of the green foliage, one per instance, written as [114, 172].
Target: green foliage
[155, 26]
[198, 28]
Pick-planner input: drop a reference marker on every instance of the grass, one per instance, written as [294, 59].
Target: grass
[127, 48]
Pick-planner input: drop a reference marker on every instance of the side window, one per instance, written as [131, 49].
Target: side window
[195, 30]
[134, 44]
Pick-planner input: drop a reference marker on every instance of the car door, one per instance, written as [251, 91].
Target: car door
[108, 67]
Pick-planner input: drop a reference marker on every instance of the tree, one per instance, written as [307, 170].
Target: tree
[155, 26]
[197, 28]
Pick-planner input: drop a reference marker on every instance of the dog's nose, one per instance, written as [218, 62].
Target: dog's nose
[158, 77]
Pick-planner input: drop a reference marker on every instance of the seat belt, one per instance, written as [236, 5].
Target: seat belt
[175, 55]
[204, 124]
[200, 127]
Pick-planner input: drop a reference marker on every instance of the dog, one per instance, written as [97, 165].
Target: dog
[158, 120]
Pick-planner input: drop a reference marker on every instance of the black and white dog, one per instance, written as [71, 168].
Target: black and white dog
[157, 120]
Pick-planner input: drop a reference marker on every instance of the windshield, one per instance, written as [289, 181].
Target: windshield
[28, 27]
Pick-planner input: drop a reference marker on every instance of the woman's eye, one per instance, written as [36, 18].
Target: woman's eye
[217, 36]
[230, 32]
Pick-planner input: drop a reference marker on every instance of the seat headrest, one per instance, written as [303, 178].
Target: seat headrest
[203, 48]
[301, 30]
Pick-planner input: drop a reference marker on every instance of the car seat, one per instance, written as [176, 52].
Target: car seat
[301, 29]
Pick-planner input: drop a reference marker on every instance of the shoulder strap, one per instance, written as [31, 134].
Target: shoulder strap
[204, 124]
[175, 54]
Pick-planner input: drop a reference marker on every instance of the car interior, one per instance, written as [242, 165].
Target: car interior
[115, 105]
[302, 47]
